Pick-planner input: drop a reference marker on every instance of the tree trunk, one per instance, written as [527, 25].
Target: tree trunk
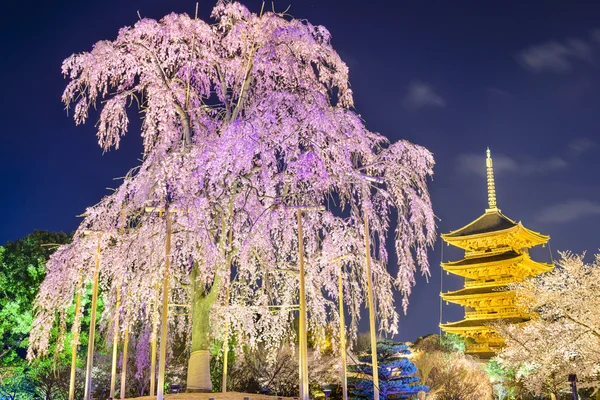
[198, 375]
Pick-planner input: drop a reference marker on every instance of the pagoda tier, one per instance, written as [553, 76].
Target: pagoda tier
[494, 230]
[481, 340]
[485, 298]
[496, 255]
[496, 266]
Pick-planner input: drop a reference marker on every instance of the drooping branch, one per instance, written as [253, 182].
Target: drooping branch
[183, 115]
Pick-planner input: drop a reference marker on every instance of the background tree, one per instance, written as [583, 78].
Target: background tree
[563, 337]
[15, 383]
[22, 269]
[507, 383]
[448, 372]
[244, 120]
[397, 373]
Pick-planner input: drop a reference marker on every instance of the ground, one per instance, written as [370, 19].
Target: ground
[216, 396]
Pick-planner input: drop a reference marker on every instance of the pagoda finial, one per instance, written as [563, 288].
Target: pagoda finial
[490, 183]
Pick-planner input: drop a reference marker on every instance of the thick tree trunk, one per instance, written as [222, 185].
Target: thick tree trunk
[198, 376]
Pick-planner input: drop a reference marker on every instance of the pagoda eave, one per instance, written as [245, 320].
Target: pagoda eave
[476, 262]
[521, 266]
[469, 293]
[491, 221]
[516, 234]
[479, 325]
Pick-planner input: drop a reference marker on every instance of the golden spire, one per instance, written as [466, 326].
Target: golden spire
[490, 183]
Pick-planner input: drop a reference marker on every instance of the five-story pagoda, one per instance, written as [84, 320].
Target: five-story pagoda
[496, 254]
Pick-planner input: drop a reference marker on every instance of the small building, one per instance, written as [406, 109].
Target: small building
[496, 254]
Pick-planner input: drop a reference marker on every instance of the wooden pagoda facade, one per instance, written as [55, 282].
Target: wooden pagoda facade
[496, 254]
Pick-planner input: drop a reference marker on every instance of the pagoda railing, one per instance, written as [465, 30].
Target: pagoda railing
[496, 282]
[478, 348]
[501, 313]
[488, 252]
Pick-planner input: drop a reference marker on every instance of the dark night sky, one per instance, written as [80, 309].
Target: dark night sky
[455, 77]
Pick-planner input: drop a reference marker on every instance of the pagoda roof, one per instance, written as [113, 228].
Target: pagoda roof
[491, 221]
[506, 256]
[467, 267]
[474, 324]
[494, 229]
[478, 291]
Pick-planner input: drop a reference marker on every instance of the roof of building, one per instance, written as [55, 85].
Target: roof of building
[495, 226]
[522, 266]
[476, 291]
[474, 323]
[509, 255]
[491, 221]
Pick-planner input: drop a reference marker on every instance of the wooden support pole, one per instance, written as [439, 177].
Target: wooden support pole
[371, 313]
[153, 365]
[303, 340]
[225, 352]
[92, 331]
[302, 325]
[226, 342]
[342, 332]
[343, 377]
[165, 314]
[124, 366]
[75, 341]
[225, 355]
[115, 352]
[153, 342]
[160, 395]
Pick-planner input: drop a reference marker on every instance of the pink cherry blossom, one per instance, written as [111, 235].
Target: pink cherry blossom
[244, 120]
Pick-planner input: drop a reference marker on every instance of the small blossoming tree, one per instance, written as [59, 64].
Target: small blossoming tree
[244, 121]
[563, 336]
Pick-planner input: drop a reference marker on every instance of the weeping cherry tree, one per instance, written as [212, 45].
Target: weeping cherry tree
[248, 130]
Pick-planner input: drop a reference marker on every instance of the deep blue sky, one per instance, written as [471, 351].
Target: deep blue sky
[455, 77]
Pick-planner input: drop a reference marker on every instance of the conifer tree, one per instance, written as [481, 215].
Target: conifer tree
[397, 373]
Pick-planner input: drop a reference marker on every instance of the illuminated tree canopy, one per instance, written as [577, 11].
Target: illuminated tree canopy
[244, 120]
[564, 336]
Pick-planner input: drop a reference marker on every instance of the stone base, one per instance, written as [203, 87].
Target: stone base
[198, 376]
